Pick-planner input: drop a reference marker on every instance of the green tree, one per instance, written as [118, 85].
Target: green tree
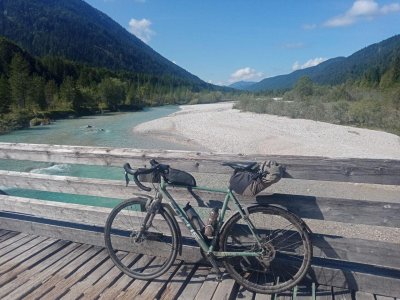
[51, 93]
[304, 87]
[68, 93]
[112, 92]
[19, 78]
[36, 96]
[5, 95]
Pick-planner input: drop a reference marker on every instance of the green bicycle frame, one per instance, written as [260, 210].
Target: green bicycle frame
[209, 249]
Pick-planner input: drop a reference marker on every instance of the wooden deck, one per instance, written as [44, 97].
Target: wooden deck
[36, 267]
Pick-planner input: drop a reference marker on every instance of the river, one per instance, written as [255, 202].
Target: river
[109, 130]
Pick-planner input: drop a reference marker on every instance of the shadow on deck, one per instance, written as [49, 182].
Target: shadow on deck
[36, 267]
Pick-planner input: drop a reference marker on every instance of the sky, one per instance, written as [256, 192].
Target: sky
[224, 41]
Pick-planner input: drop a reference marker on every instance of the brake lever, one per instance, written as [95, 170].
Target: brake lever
[127, 179]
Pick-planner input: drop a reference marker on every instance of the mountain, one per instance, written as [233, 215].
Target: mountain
[241, 85]
[376, 57]
[73, 30]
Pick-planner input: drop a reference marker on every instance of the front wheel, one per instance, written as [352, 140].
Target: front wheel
[283, 245]
[140, 248]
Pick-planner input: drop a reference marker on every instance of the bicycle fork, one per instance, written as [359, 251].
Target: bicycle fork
[152, 209]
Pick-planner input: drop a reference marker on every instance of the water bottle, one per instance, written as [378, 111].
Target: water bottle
[212, 221]
[193, 217]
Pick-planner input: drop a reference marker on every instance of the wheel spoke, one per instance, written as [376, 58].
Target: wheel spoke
[285, 246]
[122, 227]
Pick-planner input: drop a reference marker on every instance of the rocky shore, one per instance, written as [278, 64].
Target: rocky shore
[219, 127]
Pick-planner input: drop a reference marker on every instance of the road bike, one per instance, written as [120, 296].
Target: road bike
[265, 248]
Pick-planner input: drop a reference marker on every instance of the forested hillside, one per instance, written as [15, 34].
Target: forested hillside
[374, 65]
[74, 30]
[52, 87]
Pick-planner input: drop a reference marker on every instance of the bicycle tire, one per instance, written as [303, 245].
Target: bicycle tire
[154, 253]
[285, 242]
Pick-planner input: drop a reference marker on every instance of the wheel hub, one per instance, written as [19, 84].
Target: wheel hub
[268, 252]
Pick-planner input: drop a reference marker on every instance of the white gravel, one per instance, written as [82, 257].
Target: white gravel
[220, 128]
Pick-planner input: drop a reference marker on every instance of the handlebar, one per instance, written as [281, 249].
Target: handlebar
[135, 174]
[156, 167]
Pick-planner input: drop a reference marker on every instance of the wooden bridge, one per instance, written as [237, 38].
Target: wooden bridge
[54, 250]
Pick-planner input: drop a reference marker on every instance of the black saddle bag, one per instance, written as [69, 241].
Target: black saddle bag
[251, 183]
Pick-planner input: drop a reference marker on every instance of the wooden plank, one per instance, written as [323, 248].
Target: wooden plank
[138, 285]
[355, 250]
[14, 239]
[243, 293]
[4, 232]
[364, 296]
[304, 293]
[177, 283]
[208, 287]
[380, 297]
[189, 253]
[108, 279]
[13, 268]
[7, 236]
[225, 289]
[60, 282]
[314, 168]
[69, 263]
[368, 212]
[21, 249]
[342, 294]
[77, 290]
[20, 280]
[157, 285]
[356, 280]
[195, 283]
[16, 244]
[113, 291]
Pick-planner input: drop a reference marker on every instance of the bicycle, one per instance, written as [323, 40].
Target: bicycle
[265, 248]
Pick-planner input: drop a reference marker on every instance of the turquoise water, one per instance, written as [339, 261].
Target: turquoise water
[110, 130]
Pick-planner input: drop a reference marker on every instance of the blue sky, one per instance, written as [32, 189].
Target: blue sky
[225, 41]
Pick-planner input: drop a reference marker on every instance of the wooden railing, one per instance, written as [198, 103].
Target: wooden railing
[344, 260]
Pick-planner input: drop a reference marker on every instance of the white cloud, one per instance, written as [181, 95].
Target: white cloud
[309, 63]
[309, 26]
[362, 9]
[245, 74]
[141, 28]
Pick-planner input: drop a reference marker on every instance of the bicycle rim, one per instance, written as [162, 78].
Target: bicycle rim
[285, 250]
[152, 252]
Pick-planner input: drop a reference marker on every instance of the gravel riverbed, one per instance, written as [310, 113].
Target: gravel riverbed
[220, 128]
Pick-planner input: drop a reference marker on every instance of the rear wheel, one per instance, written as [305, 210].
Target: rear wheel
[152, 250]
[284, 249]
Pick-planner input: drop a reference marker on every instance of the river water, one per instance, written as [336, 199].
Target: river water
[109, 130]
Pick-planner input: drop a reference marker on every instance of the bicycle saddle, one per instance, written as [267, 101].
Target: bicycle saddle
[241, 166]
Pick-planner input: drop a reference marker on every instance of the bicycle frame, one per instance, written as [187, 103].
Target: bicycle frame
[209, 249]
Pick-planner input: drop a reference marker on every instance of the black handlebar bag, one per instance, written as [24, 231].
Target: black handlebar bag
[251, 183]
[178, 177]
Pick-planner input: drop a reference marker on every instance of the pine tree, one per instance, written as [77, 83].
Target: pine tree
[68, 93]
[5, 95]
[51, 92]
[36, 95]
[19, 78]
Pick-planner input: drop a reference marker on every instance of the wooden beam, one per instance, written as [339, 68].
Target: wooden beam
[356, 280]
[189, 253]
[366, 212]
[381, 171]
[355, 250]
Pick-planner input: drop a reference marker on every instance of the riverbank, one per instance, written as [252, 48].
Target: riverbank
[218, 127]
